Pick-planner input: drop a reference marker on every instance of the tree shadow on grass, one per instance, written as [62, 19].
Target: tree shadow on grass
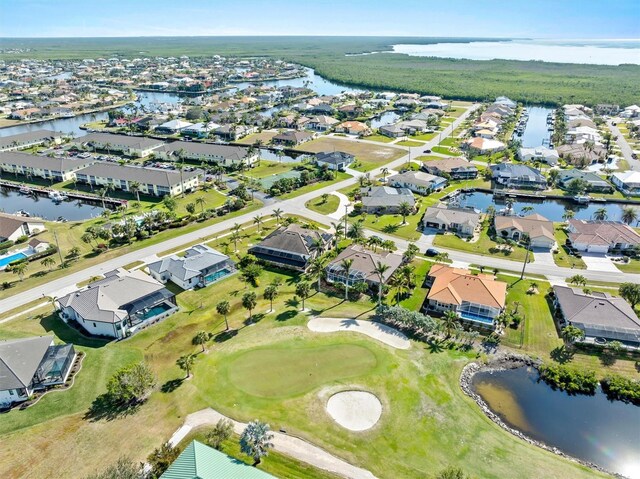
[435, 346]
[225, 336]
[292, 302]
[561, 355]
[256, 318]
[171, 385]
[390, 229]
[103, 407]
[287, 315]
[68, 333]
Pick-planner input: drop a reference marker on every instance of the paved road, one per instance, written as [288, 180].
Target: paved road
[295, 206]
[624, 146]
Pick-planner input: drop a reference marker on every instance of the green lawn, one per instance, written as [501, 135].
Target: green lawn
[484, 246]
[562, 257]
[632, 267]
[445, 150]
[409, 143]
[268, 168]
[425, 136]
[339, 176]
[380, 138]
[324, 207]
[450, 142]
[416, 299]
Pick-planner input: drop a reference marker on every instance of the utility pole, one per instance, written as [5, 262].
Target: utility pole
[526, 259]
[55, 236]
[346, 214]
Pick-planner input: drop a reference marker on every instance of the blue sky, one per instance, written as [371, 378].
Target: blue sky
[467, 18]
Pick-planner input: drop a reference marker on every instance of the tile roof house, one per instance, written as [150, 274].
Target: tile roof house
[292, 138]
[13, 227]
[628, 182]
[292, 247]
[536, 227]
[321, 123]
[417, 181]
[362, 267]
[198, 461]
[462, 221]
[455, 168]
[200, 266]
[599, 315]
[385, 199]
[484, 145]
[478, 299]
[518, 176]
[31, 364]
[353, 128]
[602, 236]
[335, 160]
[118, 305]
[594, 182]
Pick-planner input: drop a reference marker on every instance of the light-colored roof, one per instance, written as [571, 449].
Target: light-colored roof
[534, 225]
[383, 196]
[418, 178]
[446, 215]
[601, 233]
[484, 144]
[19, 360]
[628, 176]
[455, 285]
[449, 165]
[366, 260]
[175, 124]
[196, 260]
[198, 461]
[143, 175]
[28, 137]
[57, 163]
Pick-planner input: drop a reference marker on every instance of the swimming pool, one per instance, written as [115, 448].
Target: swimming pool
[4, 261]
[476, 318]
[154, 311]
[210, 278]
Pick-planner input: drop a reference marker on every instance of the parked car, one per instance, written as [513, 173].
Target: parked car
[432, 252]
[428, 150]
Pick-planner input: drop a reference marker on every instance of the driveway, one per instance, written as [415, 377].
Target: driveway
[544, 257]
[599, 262]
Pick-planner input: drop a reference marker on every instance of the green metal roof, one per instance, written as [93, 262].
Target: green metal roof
[198, 461]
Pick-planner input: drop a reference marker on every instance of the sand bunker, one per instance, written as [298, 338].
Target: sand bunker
[355, 410]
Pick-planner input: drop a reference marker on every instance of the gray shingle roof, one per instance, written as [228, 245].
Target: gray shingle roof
[197, 260]
[19, 360]
[291, 240]
[452, 215]
[141, 142]
[334, 157]
[29, 136]
[385, 196]
[62, 164]
[234, 153]
[365, 261]
[144, 175]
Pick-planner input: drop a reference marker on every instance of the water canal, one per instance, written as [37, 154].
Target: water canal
[11, 201]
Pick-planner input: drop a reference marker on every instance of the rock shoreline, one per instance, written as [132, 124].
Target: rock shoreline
[513, 361]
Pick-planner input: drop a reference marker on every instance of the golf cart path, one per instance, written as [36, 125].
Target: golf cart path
[378, 331]
[289, 445]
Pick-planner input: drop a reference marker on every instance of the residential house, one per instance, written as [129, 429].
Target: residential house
[385, 199]
[151, 181]
[356, 128]
[540, 153]
[628, 182]
[55, 169]
[199, 130]
[13, 227]
[478, 299]
[119, 305]
[30, 139]
[38, 246]
[632, 111]
[292, 138]
[292, 247]
[392, 131]
[516, 176]
[136, 146]
[601, 316]
[580, 155]
[200, 266]
[32, 364]
[417, 181]
[454, 168]
[321, 123]
[363, 266]
[198, 461]
[226, 155]
[233, 132]
[534, 227]
[172, 127]
[335, 160]
[594, 182]
[462, 221]
[602, 236]
[483, 145]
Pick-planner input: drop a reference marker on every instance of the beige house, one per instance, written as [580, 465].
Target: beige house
[211, 153]
[462, 221]
[137, 146]
[536, 227]
[55, 169]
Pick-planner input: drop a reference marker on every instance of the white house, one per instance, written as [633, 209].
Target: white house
[628, 182]
[137, 146]
[539, 153]
[417, 181]
[226, 155]
[13, 227]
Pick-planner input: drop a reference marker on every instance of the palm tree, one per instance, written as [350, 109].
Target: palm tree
[346, 264]
[600, 214]
[201, 338]
[629, 215]
[277, 214]
[258, 219]
[578, 280]
[405, 209]
[201, 202]
[527, 209]
[223, 308]
[571, 334]
[235, 236]
[449, 322]
[568, 214]
[256, 440]
[385, 172]
[249, 302]
[271, 293]
[356, 232]
[302, 290]
[185, 363]
[134, 187]
[20, 269]
[48, 262]
[380, 269]
[316, 268]
[399, 282]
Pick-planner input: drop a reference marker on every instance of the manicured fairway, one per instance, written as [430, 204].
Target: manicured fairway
[292, 370]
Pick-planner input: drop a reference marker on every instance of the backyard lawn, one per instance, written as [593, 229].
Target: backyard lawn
[263, 136]
[268, 168]
[368, 156]
[324, 207]
[339, 176]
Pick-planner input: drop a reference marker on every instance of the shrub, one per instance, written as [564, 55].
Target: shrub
[623, 389]
[568, 379]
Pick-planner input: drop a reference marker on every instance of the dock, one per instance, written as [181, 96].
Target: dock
[74, 195]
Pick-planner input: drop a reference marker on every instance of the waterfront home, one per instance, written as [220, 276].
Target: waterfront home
[512, 175]
[292, 138]
[225, 155]
[392, 131]
[199, 130]
[601, 316]
[454, 168]
[593, 181]
[198, 461]
[602, 236]
[30, 139]
[539, 153]
[151, 181]
[13, 227]
[32, 364]
[483, 145]
[292, 247]
[363, 266]
[580, 155]
[385, 199]
[58, 168]
[172, 127]
[118, 305]
[581, 134]
[462, 221]
[136, 146]
[478, 299]
[628, 182]
[356, 128]
[233, 132]
[334, 160]
[631, 111]
[534, 227]
[200, 266]
[321, 123]
[504, 101]
[417, 181]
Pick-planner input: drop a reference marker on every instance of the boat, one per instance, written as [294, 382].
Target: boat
[582, 199]
[24, 213]
[57, 196]
[25, 190]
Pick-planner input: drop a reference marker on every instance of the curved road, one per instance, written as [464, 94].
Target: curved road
[296, 206]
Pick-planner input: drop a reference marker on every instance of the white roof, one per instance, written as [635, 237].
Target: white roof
[628, 176]
[176, 124]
